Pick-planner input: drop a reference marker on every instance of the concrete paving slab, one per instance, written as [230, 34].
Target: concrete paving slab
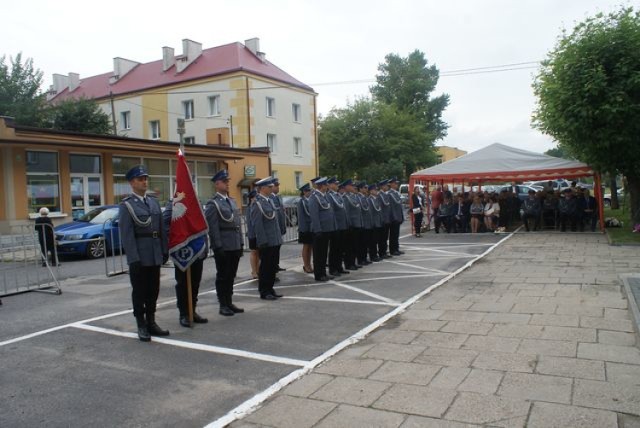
[422, 325]
[489, 410]
[441, 340]
[569, 333]
[450, 377]
[559, 348]
[360, 367]
[607, 324]
[409, 373]
[506, 361]
[359, 417]
[277, 413]
[506, 318]
[307, 385]
[446, 357]
[613, 353]
[394, 352]
[359, 392]
[555, 320]
[393, 336]
[623, 373]
[482, 381]
[618, 397]
[492, 343]
[516, 331]
[416, 400]
[536, 387]
[549, 415]
[616, 338]
[571, 367]
[422, 422]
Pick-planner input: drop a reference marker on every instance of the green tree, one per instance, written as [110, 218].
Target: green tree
[81, 115]
[20, 95]
[588, 93]
[558, 152]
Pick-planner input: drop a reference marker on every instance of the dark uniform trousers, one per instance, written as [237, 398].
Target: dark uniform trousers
[363, 244]
[226, 268]
[383, 238]
[267, 269]
[374, 239]
[145, 281]
[320, 250]
[181, 286]
[351, 245]
[394, 237]
[337, 242]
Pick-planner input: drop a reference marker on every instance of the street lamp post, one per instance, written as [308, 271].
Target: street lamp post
[181, 132]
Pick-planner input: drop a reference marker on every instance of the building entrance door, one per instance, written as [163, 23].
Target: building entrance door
[86, 193]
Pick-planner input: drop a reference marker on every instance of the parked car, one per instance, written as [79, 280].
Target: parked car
[559, 184]
[607, 197]
[101, 222]
[290, 204]
[523, 191]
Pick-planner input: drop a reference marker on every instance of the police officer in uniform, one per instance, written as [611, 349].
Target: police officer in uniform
[323, 223]
[338, 238]
[376, 222]
[276, 200]
[268, 238]
[305, 236]
[385, 204]
[225, 236]
[146, 247]
[397, 217]
[365, 236]
[181, 277]
[354, 215]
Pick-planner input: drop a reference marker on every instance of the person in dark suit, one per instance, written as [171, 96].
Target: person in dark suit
[276, 200]
[268, 238]
[397, 217]
[181, 277]
[377, 224]
[225, 236]
[385, 204]
[354, 217]
[338, 238]
[254, 260]
[305, 236]
[146, 247]
[417, 206]
[367, 224]
[587, 211]
[44, 228]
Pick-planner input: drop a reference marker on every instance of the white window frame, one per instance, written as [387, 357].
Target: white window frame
[274, 173]
[125, 118]
[188, 110]
[271, 107]
[214, 106]
[154, 125]
[296, 112]
[297, 178]
[190, 140]
[297, 146]
[272, 143]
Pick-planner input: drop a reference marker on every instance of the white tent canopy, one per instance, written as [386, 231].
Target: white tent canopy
[500, 162]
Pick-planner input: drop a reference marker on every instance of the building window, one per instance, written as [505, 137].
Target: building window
[214, 105]
[272, 143]
[154, 129]
[187, 107]
[189, 140]
[125, 119]
[297, 146]
[298, 177]
[274, 173]
[271, 107]
[43, 181]
[295, 109]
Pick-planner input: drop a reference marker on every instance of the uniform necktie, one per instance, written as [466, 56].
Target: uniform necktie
[145, 201]
[228, 203]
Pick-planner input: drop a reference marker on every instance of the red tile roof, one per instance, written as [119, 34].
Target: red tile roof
[212, 62]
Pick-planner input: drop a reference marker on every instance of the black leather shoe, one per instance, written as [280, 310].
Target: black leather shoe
[143, 332]
[275, 293]
[277, 279]
[280, 269]
[401, 252]
[323, 278]
[155, 330]
[366, 262]
[358, 266]
[351, 268]
[376, 259]
[343, 272]
[334, 273]
[331, 277]
[396, 253]
[225, 311]
[387, 256]
[184, 321]
[268, 297]
[235, 309]
[198, 319]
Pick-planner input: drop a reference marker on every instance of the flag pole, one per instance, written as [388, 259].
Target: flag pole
[189, 297]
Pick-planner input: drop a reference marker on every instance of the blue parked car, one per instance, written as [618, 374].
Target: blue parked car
[70, 236]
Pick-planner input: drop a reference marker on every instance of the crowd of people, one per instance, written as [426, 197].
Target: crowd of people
[488, 211]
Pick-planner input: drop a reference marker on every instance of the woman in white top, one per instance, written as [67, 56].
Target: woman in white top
[491, 213]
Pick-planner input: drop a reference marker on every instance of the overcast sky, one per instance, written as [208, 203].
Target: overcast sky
[325, 42]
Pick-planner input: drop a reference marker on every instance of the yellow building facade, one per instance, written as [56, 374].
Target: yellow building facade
[446, 153]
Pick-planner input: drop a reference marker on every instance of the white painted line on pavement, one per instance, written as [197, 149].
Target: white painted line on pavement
[327, 299]
[366, 293]
[251, 404]
[447, 243]
[442, 272]
[391, 277]
[197, 346]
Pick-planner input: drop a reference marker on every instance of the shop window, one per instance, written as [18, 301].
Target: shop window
[43, 181]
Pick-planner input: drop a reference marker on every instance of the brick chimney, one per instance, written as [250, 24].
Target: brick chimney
[190, 52]
[121, 67]
[254, 46]
[168, 58]
[74, 81]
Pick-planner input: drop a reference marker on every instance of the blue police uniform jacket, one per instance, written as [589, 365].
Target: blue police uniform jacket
[339, 210]
[376, 212]
[223, 219]
[304, 217]
[143, 238]
[166, 223]
[265, 223]
[366, 211]
[251, 234]
[397, 216]
[354, 211]
[276, 200]
[385, 204]
[321, 213]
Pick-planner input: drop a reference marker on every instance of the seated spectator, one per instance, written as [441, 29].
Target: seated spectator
[490, 208]
[549, 209]
[567, 211]
[461, 215]
[531, 210]
[444, 214]
[476, 210]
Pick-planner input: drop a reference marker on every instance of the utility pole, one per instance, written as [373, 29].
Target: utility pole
[231, 128]
[181, 132]
[113, 115]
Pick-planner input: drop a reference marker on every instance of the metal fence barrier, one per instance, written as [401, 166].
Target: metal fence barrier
[25, 264]
[113, 253]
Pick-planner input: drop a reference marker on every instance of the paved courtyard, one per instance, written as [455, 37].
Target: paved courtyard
[537, 333]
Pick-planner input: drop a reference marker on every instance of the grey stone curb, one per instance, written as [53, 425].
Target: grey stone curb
[634, 305]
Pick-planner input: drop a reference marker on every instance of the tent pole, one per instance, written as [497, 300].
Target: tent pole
[599, 199]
